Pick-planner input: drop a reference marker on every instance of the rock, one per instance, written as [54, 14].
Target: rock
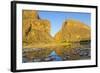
[35, 30]
[73, 30]
[30, 14]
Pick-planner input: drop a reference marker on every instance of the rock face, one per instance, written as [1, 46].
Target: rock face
[72, 31]
[34, 29]
[30, 14]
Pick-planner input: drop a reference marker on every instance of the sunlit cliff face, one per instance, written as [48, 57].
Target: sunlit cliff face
[73, 30]
[35, 30]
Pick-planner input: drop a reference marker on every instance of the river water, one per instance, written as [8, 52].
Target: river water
[41, 55]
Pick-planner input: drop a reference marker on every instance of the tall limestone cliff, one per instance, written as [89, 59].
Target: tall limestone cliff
[34, 29]
[73, 30]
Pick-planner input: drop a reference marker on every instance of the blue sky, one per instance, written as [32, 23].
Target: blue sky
[57, 18]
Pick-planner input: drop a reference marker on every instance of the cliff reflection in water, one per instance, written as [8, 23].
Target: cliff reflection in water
[81, 52]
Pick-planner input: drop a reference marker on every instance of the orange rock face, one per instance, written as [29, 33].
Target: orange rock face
[73, 30]
[35, 30]
[30, 14]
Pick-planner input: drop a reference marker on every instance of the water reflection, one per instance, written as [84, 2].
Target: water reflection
[77, 51]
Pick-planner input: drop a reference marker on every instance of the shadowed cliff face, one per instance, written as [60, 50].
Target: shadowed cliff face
[72, 31]
[35, 30]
